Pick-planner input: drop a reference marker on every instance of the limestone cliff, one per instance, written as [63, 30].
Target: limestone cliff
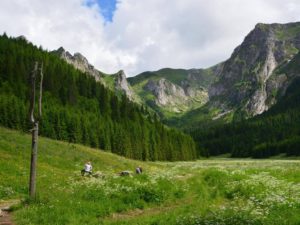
[122, 84]
[116, 82]
[173, 90]
[248, 77]
[79, 62]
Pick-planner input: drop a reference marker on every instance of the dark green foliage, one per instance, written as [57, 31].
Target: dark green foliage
[289, 146]
[274, 132]
[78, 109]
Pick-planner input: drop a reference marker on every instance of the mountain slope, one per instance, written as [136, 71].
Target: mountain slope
[172, 92]
[245, 85]
[116, 82]
[166, 193]
[271, 133]
[78, 109]
[247, 79]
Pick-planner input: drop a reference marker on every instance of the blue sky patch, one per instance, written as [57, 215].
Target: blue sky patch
[107, 7]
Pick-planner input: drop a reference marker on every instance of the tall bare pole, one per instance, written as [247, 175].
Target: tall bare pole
[35, 122]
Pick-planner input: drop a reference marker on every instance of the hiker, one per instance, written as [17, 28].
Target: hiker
[139, 170]
[87, 169]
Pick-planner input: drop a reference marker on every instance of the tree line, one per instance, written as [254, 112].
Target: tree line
[78, 109]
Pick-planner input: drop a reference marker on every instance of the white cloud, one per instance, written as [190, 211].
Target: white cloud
[144, 35]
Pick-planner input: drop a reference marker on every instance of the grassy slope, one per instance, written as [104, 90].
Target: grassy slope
[205, 114]
[175, 76]
[213, 191]
[109, 82]
[138, 82]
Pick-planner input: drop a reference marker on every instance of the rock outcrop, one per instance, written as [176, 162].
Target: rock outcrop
[79, 62]
[248, 78]
[166, 92]
[174, 97]
[122, 84]
[82, 64]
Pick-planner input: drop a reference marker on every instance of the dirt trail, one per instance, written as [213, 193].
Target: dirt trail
[148, 211]
[5, 218]
[5, 215]
[139, 212]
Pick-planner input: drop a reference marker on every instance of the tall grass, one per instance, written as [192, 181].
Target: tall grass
[201, 192]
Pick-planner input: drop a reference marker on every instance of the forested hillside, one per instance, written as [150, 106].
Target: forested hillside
[78, 109]
[274, 132]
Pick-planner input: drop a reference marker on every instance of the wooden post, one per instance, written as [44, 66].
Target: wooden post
[32, 182]
[35, 131]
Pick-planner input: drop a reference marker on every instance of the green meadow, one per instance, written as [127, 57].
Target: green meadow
[209, 191]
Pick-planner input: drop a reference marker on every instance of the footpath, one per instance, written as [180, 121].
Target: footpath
[5, 214]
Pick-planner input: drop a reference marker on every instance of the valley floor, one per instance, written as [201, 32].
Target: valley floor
[216, 191]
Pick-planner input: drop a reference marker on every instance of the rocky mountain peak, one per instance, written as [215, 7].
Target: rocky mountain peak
[60, 50]
[82, 64]
[79, 62]
[64, 54]
[122, 84]
[22, 37]
[80, 58]
[121, 74]
[245, 75]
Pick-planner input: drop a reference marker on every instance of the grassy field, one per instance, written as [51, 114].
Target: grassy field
[218, 191]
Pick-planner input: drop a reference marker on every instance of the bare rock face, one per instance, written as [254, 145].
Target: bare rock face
[122, 84]
[173, 97]
[82, 64]
[257, 103]
[166, 92]
[79, 62]
[247, 76]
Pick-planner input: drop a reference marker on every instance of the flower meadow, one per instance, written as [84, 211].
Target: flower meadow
[252, 192]
[213, 191]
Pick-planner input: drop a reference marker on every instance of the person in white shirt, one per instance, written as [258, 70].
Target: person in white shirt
[139, 170]
[87, 169]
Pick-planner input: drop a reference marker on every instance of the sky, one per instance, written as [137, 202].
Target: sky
[106, 8]
[143, 35]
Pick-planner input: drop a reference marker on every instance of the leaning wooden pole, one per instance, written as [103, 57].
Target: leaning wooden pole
[35, 130]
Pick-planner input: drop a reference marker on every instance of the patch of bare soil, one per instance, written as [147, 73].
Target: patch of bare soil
[5, 214]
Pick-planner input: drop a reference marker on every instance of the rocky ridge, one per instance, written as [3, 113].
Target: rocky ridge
[173, 96]
[247, 84]
[79, 62]
[82, 64]
[122, 84]
[248, 78]
[173, 90]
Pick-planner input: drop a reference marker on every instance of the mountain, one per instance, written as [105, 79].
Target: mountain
[79, 109]
[119, 83]
[80, 63]
[258, 82]
[245, 85]
[248, 78]
[116, 82]
[172, 92]
[276, 131]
